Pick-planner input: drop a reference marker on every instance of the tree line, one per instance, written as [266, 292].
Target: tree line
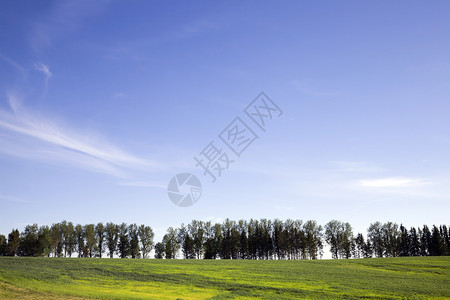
[64, 239]
[254, 239]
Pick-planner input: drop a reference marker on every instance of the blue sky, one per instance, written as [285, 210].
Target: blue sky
[103, 102]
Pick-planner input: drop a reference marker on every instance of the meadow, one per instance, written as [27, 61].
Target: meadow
[72, 278]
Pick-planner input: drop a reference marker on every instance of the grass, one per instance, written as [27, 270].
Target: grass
[55, 278]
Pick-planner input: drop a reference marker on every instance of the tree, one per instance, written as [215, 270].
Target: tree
[29, 241]
[210, 245]
[69, 238]
[255, 239]
[44, 241]
[160, 250]
[279, 239]
[146, 236]
[333, 235]
[375, 236]
[100, 234]
[56, 237]
[425, 241]
[112, 237]
[313, 239]
[391, 237]
[79, 235]
[339, 236]
[446, 238]
[218, 239]
[13, 243]
[134, 241]
[230, 240]
[265, 245]
[359, 246]
[252, 238]
[243, 241]
[124, 241]
[186, 242]
[437, 243]
[405, 242]
[347, 242]
[197, 232]
[91, 241]
[187, 246]
[367, 250]
[3, 245]
[414, 243]
[296, 239]
[171, 243]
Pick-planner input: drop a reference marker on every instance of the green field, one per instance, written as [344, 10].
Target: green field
[54, 278]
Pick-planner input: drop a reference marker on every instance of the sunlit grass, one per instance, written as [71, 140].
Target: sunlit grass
[39, 278]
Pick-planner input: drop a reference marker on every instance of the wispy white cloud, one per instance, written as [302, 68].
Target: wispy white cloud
[10, 198]
[196, 27]
[137, 49]
[27, 134]
[12, 63]
[44, 69]
[145, 184]
[307, 88]
[64, 18]
[118, 95]
[355, 166]
[393, 182]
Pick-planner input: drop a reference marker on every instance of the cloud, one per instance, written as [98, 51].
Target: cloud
[64, 18]
[145, 184]
[305, 88]
[393, 182]
[12, 199]
[44, 69]
[196, 27]
[355, 166]
[12, 63]
[137, 49]
[29, 135]
[119, 95]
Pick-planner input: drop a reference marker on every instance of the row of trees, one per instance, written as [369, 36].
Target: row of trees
[386, 240]
[293, 239]
[254, 239]
[64, 239]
